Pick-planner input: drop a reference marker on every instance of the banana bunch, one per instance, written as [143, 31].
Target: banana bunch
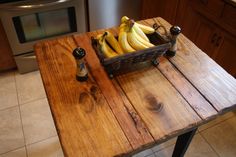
[114, 50]
[131, 37]
[144, 28]
[123, 39]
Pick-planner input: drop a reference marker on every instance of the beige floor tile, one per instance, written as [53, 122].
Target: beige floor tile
[222, 137]
[197, 148]
[166, 152]
[200, 148]
[47, 148]
[152, 155]
[11, 134]
[216, 121]
[29, 87]
[144, 153]
[37, 121]
[8, 95]
[164, 145]
[15, 153]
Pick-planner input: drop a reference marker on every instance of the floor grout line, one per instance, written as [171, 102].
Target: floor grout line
[9, 107]
[209, 144]
[11, 75]
[19, 109]
[153, 153]
[14, 78]
[45, 96]
[217, 123]
[25, 103]
[41, 140]
[165, 147]
[18, 104]
[25, 146]
[12, 150]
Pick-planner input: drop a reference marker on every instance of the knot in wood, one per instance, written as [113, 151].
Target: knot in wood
[153, 103]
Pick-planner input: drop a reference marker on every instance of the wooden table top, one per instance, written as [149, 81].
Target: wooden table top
[104, 118]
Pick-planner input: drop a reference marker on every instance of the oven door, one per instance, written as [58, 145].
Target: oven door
[26, 63]
[28, 22]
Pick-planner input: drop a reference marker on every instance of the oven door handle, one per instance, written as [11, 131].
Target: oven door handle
[29, 57]
[32, 4]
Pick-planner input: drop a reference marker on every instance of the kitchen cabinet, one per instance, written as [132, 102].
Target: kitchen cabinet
[6, 58]
[207, 37]
[218, 44]
[229, 18]
[187, 19]
[162, 8]
[214, 7]
[215, 34]
[225, 53]
[210, 24]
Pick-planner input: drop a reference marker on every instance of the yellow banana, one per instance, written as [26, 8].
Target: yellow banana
[122, 39]
[106, 50]
[146, 29]
[140, 32]
[122, 27]
[124, 19]
[99, 36]
[124, 42]
[144, 42]
[113, 42]
[134, 42]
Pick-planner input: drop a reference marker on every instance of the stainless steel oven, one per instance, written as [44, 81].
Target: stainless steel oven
[29, 21]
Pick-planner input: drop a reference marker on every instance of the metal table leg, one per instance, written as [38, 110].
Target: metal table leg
[182, 143]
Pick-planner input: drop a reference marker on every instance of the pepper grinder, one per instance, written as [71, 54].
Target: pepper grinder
[82, 72]
[174, 31]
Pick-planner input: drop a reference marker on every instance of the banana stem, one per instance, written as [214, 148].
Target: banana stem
[131, 23]
[103, 36]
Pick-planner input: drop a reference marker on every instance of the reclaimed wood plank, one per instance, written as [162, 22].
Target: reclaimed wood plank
[162, 108]
[84, 120]
[132, 125]
[202, 107]
[211, 80]
[191, 95]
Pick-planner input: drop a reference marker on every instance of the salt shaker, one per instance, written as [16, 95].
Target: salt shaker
[174, 31]
[82, 72]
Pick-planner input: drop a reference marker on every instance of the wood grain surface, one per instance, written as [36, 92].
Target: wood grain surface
[202, 107]
[84, 120]
[211, 80]
[132, 125]
[134, 111]
[184, 116]
[157, 102]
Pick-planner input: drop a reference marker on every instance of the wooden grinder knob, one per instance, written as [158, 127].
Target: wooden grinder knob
[174, 31]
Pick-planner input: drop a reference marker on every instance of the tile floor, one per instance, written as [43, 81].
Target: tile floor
[27, 128]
